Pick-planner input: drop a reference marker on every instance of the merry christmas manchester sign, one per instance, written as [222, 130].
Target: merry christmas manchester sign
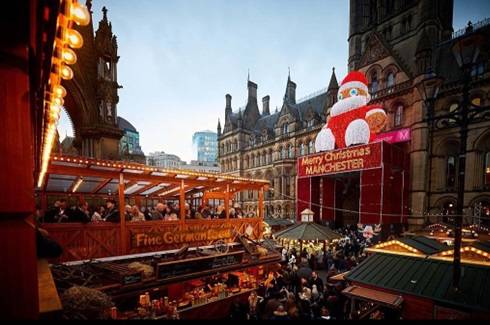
[341, 161]
[351, 128]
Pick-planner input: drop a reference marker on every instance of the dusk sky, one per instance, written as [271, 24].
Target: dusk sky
[180, 57]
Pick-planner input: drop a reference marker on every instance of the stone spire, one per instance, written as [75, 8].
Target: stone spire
[333, 88]
[333, 84]
[290, 96]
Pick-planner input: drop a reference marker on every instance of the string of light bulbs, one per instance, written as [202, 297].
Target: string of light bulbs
[417, 214]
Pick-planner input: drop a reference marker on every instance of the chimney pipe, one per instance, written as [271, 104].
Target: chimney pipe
[228, 101]
[252, 91]
[265, 105]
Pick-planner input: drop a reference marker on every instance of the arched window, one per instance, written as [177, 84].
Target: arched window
[285, 128]
[451, 171]
[270, 157]
[284, 153]
[310, 147]
[453, 107]
[398, 116]
[290, 152]
[264, 158]
[374, 83]
[390, 80]
[487, 168]
[287, 185]
[257, 160]
[476, 101]
[310, 123]
[302, 149]
[478, 70]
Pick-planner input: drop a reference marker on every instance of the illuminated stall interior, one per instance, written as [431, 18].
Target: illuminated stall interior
[307, 234]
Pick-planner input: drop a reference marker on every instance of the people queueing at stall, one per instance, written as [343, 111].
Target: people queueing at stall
[303, 289]
[83, 213]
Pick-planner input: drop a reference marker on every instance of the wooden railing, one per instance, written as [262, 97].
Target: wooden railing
[97, 240]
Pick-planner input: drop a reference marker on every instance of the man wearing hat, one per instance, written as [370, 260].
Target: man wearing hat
[112, 213]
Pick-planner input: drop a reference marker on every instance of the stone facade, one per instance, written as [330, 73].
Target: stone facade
[266, 146]
[395, 43]
[92, 97]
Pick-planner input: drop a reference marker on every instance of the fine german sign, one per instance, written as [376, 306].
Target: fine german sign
[180, 235]
[341, 161]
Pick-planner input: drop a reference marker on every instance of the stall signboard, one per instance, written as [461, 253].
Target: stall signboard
[177, 268]
[341, 161]
[181, 234]
[397, 136]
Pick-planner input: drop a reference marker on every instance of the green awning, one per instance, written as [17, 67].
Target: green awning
[308, 231]
[425, 278]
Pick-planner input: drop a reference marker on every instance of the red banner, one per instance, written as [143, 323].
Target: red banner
[341, 161]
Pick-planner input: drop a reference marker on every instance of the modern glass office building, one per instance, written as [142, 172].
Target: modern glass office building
[205, 145]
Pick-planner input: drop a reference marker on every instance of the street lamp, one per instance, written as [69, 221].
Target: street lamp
[466, 51]
[429, 90]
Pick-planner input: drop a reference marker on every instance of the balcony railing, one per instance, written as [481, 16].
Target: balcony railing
[392, 90]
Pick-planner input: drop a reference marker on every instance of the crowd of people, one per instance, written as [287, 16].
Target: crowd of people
[298, 292]
[60, 212]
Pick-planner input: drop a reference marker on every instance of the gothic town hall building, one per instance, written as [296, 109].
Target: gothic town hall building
[396, 43]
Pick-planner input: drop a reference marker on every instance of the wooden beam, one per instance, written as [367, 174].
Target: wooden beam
[74, 171]
[101, 185]
[227, 202]
[182, 202]
[122, 214]
[45, 184]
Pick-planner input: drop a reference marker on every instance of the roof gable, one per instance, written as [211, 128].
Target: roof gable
[377, 49]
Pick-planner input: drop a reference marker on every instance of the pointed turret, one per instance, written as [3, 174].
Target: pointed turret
[333, 84]
[219, 128]
[251, 113]
[290, 96]
[333, 88]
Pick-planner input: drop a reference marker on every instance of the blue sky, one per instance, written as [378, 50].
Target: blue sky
[180, 57]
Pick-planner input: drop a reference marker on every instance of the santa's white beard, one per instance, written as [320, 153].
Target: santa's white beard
[348, 104]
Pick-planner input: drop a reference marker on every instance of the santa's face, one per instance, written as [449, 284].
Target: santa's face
[350, 99]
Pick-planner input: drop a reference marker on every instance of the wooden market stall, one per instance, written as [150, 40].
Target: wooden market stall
[419, 270]
[84, 179]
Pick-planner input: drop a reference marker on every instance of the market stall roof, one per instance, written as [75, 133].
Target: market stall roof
[476, 253]
[308, 231]
[92, 176]
[417, 245]
[427, 278]
[379, 297]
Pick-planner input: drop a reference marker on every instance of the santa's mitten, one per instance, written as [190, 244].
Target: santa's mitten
[376, 119]
[325, 140]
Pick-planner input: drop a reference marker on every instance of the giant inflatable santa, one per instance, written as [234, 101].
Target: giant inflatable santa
[352, 121]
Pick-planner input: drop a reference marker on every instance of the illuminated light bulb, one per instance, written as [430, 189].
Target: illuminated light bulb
[66, 72]
[54, 115]
[74, 39]
[59, 91]
[79, 14]
[68, 56]
[58, 101]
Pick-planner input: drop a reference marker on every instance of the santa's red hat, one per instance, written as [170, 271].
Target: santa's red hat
[355, 79]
